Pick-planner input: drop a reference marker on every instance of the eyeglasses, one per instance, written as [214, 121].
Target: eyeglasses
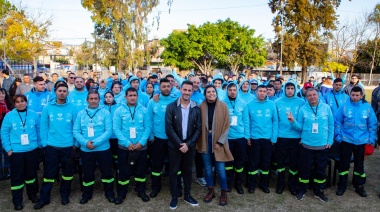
[72, 77]
[117, 87]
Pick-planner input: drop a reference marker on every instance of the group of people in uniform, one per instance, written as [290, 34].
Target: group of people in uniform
[239, 131]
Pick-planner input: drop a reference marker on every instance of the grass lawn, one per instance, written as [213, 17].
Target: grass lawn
[258, 201]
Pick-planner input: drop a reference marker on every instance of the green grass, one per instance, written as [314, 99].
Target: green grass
[246, 202]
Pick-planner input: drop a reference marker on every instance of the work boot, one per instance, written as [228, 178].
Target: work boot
[223, 198]
[360, 190]
[210, 195]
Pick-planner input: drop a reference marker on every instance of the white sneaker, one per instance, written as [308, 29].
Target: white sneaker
[201, 181]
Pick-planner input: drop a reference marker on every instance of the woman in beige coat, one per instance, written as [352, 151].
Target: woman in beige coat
[213, 142]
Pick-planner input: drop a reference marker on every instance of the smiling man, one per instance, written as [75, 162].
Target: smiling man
[183, 127]
[316, 124]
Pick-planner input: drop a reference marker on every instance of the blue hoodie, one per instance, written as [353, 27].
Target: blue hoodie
[356, 123]
[156, 111]
[12, 129]
[336, 100]
[38, 100]
[198, 97]
[220, 92]
[284, 105]
[111, 108]
[143, 98]
[263, 120]
[120, 97]
[122, 122]
[324, 119]
[57, 123]
[101, 122]
[79, 99]
[237, 107]
[247, 96]
[101, 92]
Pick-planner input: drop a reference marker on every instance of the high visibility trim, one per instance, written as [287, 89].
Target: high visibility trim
[281, 169]
[48, 180]
[156, 174]
[303, 181]
[360, 175]
[17, 187]
[108, 181]
[67, 177]
[89, 183]
[140, 179]
[114, 156]
[179, 172]
[343, 173]
[239, 170]
[319, 181]
[254, 172]
[264, 172]
[30, 181]
[123, 182]
[227, 168]
[293, 172]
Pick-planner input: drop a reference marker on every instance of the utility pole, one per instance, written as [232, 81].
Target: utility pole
[282, 39]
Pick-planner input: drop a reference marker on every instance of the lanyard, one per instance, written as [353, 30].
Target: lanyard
[132, 114]
[336, 101]
[233, 105]
[23, 122]
[92, 115]
[316, 111]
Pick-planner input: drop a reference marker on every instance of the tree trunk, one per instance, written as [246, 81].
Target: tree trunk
[304, 73]
[35, 71]
[8, 65]
[373, 59]
[118, 66]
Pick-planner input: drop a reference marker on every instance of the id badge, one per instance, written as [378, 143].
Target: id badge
[233, 120]
[314, 129]
[24, 139]
[90, 131]
[132, 132]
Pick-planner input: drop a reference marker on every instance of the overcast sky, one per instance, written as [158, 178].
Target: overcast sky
[72, 23]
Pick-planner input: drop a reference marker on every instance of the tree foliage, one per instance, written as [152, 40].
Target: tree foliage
[304, 24]
[224, 43]
[24, 35]
[334, 67]
[124, 24]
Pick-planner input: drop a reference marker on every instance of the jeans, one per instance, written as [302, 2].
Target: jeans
[208, 159]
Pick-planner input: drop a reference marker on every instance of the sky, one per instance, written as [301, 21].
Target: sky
[72, 23]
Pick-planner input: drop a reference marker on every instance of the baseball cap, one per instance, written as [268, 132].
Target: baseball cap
[253, 81]
[307, 85]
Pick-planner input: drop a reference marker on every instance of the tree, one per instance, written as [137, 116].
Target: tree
[374, 19]
[25, 37]
[224, 43]
[84, 55]
[365, 57]
[6, 8]
[244, 48]
[334, 67]
[124, 22]
[303, 24]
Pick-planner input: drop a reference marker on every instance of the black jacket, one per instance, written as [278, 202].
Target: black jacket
[173, 124]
